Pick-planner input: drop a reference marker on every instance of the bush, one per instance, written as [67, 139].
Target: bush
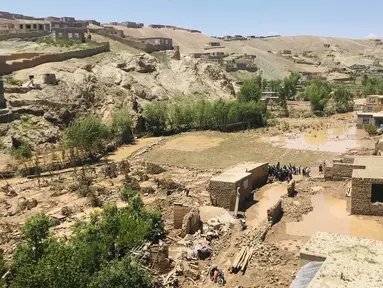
[24, 151]
[15, 82]
[371, 129]
[121, 127]
[95, 254]
[127, 194]
[88, 135]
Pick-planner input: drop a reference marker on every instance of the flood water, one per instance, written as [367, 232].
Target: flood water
[266, 197]
[336, 140]
[330, 215]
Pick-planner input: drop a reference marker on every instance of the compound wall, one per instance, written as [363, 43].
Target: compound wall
[6, 68]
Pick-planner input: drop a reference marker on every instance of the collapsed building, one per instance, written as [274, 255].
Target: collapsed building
[366, 177]
[244, 178]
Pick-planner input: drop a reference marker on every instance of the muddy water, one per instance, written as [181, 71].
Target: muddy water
[337, 140]
[330, 215]
[267, 196]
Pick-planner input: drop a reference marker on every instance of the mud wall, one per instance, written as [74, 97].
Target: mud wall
[222, 194]
[361, 197]
[179, 212]
[259, 175]
[138, 44]
[23, 35]
[191, 222]
[29, 63]
[17, 56]
[274, 213]
[341, 170]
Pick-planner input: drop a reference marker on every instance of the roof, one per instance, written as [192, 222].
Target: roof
[230, 177]
[349, 261]
[375, 96]
[245, 167]
[374, 166]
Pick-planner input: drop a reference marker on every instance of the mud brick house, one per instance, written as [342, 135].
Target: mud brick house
[366, 174]
[161, 43]
[75, 34]
[245, 176]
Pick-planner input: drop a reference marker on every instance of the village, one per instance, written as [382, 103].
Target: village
[293, 199]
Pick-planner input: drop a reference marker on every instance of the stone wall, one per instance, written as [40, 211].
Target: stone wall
[23, 35]
[6, 68]
[339, 171]
[179, 212]
[274, 213]
[222, 194]
[361, 197]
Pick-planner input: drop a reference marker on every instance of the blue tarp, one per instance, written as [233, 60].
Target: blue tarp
[306, 275]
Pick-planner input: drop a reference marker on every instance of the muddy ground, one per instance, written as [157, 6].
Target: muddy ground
[190, 160]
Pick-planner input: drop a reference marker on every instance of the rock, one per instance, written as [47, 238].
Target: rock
[152, 168]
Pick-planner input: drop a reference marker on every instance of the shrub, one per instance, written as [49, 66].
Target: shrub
[87, 135]
[15, 82]
[371, 129]
[24, 151]
[127, 193]
[121, 127]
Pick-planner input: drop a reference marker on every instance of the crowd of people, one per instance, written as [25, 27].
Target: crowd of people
[285, 173]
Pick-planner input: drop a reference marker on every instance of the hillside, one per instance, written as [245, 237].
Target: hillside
[346, 51]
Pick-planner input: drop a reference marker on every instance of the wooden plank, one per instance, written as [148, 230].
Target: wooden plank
[238, 258]
[249, 255]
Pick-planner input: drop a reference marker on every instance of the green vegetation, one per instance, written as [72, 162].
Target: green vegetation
[13, 81]
[96, 255]
[121, 127]
[23, 152]
[167, 118]
[251, 90]
[372, 86]
[61, 43]
[328, 100]
[371, 129]
[88, 135]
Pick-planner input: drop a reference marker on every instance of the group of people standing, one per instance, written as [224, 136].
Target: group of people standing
[285, 173]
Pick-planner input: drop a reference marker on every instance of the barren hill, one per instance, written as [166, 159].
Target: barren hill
[346, 51]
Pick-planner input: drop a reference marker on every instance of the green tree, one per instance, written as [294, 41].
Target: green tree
[344, 100]
[156, 118]
[121, 127]
[318, 93]
[264, 84]
[251, 90]
[125, 273]
[36, 230]
[88, 135]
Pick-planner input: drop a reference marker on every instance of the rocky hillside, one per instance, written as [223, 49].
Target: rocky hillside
[102, 83]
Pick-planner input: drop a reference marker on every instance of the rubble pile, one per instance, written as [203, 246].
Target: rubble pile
[295, 208]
